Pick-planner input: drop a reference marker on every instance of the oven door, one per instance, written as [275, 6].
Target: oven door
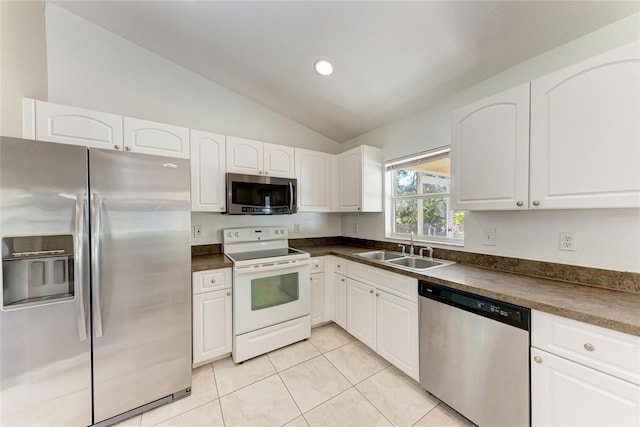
[270, 294]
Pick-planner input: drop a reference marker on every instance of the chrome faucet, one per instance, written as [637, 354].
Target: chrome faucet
[411, 250]
[403, 248]
[429, 249]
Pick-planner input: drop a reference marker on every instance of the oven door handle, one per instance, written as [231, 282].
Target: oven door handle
[271, 266]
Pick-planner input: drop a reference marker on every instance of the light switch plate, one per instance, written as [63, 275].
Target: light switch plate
[489, 237]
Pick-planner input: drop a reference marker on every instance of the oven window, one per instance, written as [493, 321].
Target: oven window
[275, 290]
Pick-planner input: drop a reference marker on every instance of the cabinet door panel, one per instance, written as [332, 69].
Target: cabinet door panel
[349, 187]
[317, 298]
[143, 136]
[313, 171]
[207, 172]
[361, 312]
[340, 300]
[397, 328]
[244, 156]
[585, 132]
[279, 161]
[490, 152]
[211, 325]
[564, 393]
[77, 126]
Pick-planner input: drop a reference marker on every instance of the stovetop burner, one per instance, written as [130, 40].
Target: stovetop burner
[258, 255]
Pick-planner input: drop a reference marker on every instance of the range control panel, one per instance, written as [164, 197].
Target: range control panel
[254, 234]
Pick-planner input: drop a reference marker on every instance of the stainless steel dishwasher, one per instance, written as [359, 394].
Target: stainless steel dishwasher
[474, 355]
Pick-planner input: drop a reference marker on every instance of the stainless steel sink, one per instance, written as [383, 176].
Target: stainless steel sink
[418, 263]
[403, 261]
[381, 255]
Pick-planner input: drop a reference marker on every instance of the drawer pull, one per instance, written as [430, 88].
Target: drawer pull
[228, 293]
[589, 347]
[213, 280]
[338, 265]
[537, 359]
[342, 280]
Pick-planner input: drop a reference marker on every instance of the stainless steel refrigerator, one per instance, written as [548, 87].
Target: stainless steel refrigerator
[95, 317]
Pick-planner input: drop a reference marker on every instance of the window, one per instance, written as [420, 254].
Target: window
[419, 199]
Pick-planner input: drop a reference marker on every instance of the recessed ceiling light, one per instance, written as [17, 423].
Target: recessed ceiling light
[323, 67]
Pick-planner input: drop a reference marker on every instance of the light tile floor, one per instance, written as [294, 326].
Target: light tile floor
[329, 380]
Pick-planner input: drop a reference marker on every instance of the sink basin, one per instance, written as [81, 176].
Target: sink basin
[417, 263]
[381, 255]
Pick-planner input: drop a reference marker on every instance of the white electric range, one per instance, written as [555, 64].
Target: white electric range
[271, 288]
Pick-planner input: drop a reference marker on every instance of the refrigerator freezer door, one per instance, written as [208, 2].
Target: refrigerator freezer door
[141, 289]
[45, 356]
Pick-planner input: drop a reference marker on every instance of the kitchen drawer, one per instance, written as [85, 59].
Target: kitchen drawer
[211, 280]
[340, 266]
[609, 351]
[317, 264]
[397, 284]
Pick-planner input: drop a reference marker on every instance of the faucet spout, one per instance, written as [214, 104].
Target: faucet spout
[411, 250]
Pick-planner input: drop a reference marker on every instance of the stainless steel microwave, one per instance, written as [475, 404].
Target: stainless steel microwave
[261, 195]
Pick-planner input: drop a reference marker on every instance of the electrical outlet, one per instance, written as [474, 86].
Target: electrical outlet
[568, 241]
[197, 231]
[296, 228]
[356, 228]
[489, 238]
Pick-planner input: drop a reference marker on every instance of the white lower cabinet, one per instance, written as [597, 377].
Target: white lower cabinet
[212, 315]
[593, 379]
[339, 314]
[565, 393]
[382, 312]
[320, 290]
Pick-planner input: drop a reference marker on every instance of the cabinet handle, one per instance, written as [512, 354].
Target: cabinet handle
[117, 147]
[266, 172]
[222, 208]
[338, 266]
[537, 359]
[358, 208]
[213, 280]
[536, 203]
[377, 294]
[259, 172]
[519, 203]
[589, 347]
[127, 148]
[342, 280]
[229, 293]
[371, 291]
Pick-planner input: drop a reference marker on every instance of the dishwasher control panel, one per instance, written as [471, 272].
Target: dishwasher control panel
[498, 310]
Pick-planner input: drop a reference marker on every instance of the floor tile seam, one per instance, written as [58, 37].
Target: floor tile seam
[298, 363]
[427, 414]
[324, 401]
[376, 408]
[339, 371]
[248, 385]
[182, 413]
[292, 398]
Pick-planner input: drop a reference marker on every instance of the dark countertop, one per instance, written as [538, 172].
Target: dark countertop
[617, 310]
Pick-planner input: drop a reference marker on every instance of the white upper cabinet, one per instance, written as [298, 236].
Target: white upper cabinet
[45, 121]
[358, 187]
[583, 150]
[279, 160]
[585, 133]
[490, 152]
[207, 172]
[250, 157]
[77, 126]
[142, 136]
[313, 171]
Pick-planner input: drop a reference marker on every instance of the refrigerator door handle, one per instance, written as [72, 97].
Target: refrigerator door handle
[96, 204]
[78, 265]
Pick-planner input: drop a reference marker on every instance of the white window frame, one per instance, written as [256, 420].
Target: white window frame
[391, 198]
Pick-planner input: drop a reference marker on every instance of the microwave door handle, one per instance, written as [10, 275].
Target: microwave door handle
[290, 196]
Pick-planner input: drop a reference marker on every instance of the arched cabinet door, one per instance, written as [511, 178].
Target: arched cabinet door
[585, 133]
[207, 172]
[490, 152]
[244, 156]
[77, 126]
[143, 136]
[279, 161]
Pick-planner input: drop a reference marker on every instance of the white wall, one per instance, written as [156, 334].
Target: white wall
[23, 60]
[311, 224]
[93, 68]
[608, 239]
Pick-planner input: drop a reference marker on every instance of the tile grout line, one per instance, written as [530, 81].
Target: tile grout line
[215, 380]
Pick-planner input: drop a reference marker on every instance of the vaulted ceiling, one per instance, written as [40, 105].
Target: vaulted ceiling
[391, 58]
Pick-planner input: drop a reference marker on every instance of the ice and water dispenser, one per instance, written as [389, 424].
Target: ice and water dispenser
[36, 270]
